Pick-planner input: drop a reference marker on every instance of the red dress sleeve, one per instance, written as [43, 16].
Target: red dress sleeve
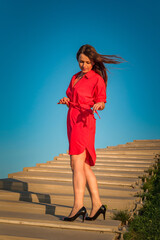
[100, 91]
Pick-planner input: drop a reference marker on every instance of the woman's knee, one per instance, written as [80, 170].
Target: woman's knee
[77, 162]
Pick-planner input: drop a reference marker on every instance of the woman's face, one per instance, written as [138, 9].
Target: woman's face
[85, 63]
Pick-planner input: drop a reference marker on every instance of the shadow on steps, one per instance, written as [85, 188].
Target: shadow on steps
[17, 186]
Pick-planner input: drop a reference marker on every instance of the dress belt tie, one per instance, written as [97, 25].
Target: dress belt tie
[82, 106]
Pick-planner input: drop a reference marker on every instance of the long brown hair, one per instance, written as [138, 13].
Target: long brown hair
[99, 60]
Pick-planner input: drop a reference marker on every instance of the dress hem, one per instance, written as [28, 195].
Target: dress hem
[91, 163]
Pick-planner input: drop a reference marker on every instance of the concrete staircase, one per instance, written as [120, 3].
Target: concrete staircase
[41, 196]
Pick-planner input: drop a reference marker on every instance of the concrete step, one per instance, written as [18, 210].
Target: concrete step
[26, 207]
[135, 149]
[57, 190]
[101, 172]
[121, 154]
[43, 189]
[9, 237]
[101, 167]
[29, 232]
[108, 159]
[112, 150]
[60, 204]
[50, 221]
[103, 153]
[145, 144]
[147, 141]
[105, 164]
[60, 198]
[47, 219]
[130, 147]
[68, 178]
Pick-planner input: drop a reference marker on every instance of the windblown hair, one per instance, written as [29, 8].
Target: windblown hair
[99, 60]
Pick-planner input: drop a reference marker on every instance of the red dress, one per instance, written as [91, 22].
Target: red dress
[81, 123]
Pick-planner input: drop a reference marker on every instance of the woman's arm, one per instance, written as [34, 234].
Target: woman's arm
[98, 106]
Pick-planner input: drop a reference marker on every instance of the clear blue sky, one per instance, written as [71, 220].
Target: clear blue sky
[38, 44]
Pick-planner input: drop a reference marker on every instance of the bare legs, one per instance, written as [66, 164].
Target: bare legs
[93, 189]
[79, 181]
[82, 175]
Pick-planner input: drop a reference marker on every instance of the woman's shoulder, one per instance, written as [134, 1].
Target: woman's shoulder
[97, 77]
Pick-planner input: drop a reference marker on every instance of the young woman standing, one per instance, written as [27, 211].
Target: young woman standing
[85, 95]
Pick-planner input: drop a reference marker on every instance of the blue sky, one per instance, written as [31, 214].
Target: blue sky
[38, 44]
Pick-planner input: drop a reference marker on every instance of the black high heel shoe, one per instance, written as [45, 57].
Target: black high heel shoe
[102, 210]
[82, 212]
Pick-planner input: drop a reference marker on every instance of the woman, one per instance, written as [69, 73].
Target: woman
[86, 90]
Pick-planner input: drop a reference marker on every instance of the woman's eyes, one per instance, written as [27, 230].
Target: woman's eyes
[86, 62]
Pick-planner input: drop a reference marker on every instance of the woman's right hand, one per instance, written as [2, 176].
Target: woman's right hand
[64, 100]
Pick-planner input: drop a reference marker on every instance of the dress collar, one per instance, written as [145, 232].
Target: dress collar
[89, 74]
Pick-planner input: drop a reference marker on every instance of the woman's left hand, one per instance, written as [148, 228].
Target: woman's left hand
[98, 106]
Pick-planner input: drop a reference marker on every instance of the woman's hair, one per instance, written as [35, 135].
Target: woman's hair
[99, 60]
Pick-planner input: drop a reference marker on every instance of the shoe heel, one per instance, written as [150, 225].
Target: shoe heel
[83, 217]
[104, 212]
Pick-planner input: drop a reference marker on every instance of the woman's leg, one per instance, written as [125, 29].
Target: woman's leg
[93, 189]
[79, 181]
